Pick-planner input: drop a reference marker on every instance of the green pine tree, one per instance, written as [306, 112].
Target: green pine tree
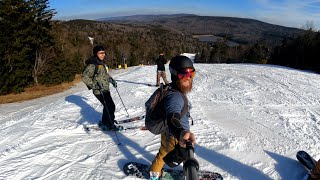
[25, 27]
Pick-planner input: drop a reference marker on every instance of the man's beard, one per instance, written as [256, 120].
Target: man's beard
[185, 88]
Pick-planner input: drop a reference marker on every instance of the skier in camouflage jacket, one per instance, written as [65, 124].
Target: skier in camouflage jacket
[97, 78]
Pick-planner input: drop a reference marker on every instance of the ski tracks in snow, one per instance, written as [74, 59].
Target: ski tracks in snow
[249, 121]
[246, 113]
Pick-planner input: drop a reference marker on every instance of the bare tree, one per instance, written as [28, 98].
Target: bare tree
[43, 56]
[309, 26]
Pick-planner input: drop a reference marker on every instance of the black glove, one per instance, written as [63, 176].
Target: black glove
[176, 156]
[113, 82]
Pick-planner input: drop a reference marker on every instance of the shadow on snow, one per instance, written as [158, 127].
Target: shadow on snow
[91, 116]
[288, 168]
[233, 167]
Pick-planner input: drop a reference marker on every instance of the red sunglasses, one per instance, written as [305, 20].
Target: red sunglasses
[184, 73]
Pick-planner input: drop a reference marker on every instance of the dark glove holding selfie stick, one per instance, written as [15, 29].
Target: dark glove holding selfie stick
[176, 156]
[179, 155]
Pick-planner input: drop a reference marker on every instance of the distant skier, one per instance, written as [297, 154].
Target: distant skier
[97, 78]
[176, 109]
[161, 71]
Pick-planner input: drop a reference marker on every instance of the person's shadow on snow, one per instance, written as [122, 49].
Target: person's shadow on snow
[288, 168]
[88, 113]
[233, 167]
[127, 145]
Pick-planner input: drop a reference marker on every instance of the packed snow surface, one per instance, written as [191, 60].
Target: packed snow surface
[249, 122]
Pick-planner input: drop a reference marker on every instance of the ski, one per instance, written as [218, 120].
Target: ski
[137, 118]
[97, 128]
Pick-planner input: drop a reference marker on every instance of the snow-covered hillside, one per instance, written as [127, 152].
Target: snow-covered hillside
[250, 120]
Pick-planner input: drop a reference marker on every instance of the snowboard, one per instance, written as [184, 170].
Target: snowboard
[139, 170]
[305, 159]
[137, 118]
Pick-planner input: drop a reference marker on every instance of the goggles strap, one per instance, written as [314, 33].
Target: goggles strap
[174, 72]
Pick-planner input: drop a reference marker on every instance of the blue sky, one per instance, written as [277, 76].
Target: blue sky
[291, 13]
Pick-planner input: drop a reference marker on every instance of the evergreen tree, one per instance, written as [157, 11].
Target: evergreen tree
[301, 52]
[24, 29]
[205, 55]
[258, 53]
[197, 58]
[15, 48]
[218, 51]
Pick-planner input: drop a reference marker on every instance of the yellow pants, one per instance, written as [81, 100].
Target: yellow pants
[157, 163]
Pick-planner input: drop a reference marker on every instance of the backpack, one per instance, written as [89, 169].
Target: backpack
[90, 61]
[155, 119]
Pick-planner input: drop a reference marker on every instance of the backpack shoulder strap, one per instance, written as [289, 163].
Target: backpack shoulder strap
[185, 101]
[185, 106]
[91, 61]
[95, 69]
[164, 88]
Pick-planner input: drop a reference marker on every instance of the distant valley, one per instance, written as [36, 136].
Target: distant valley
[236, 30]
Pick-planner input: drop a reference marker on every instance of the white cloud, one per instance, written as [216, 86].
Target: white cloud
[290, 13]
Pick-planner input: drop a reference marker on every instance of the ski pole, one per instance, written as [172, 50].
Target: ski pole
[105, 106]
[191, 166]
[122, 102]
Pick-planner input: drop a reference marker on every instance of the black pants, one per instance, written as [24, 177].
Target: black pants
[108, 108]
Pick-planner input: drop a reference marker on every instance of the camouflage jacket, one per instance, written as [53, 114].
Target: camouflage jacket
[92, 77]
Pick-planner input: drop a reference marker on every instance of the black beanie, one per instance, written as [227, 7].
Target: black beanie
[97, 48]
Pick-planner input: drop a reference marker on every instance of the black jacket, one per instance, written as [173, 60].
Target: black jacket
[161, 61]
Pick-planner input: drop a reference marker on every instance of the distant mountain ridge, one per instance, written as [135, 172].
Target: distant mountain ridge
[241, 30]
[142, 18]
